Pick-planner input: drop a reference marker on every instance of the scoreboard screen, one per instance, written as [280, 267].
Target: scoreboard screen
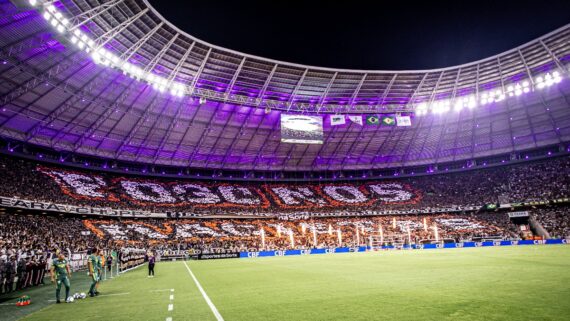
[301, 129]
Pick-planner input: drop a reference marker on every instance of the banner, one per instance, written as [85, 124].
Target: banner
[388, 121]
[404, 121]
[214, 256]
[337, 120]
[175, 196]
[357, 119]
[372, 120]
[303, 252]
[390, 247]
[519, 214]
[81, 210]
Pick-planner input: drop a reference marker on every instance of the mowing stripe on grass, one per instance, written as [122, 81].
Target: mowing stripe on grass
[206, 297]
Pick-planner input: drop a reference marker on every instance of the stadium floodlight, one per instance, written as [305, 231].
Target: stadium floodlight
[164, 83]
[548, 80]
[421, 109]
[440, 107]
[458, 106]
[556, 76]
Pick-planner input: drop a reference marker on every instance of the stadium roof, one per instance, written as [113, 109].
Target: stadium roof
[116, 80]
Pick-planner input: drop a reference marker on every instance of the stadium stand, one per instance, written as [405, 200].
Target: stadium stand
[531, 181]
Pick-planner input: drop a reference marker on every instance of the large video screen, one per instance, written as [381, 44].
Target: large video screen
[301, 129]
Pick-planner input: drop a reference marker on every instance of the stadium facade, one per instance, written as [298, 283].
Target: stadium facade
[114, 80]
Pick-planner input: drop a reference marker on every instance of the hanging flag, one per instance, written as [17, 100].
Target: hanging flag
[372, 120]
[357, 119]
[404, 120]
[388, 121]
[337, 120]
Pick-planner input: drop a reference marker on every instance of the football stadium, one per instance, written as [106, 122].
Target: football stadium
[147, 174]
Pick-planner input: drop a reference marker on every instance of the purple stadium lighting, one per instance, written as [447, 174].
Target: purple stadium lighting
[166, 83]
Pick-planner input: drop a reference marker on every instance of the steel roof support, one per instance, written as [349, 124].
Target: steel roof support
[110, 35]
[127, 55]
[73, 123]
[92, 13]
[326, 92]
[266, 84]
[152, 128]
[199, 73]
[235, 77]
[553, 56]
[133, 131]
[154, 61]
[297, 86]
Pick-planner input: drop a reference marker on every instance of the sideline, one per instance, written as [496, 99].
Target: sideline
[210, 304]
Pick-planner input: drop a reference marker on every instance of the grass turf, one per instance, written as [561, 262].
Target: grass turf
[499, 283]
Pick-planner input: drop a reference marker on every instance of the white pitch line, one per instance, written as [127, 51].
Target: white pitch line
[169, 319]
[170, 307]
[171, 297]
[162, 290]
[210, 304]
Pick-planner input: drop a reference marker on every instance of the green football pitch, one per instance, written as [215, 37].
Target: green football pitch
[498, 283]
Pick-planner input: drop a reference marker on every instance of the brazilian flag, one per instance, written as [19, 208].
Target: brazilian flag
[388, 121]
[372, 120]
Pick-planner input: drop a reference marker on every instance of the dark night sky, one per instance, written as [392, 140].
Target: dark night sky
[368, 34]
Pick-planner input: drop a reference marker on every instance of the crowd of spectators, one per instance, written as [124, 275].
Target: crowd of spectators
[555, 219]
[34, 235]
[540, 180]
[27, 240]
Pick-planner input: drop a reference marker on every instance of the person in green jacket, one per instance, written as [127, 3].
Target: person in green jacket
[93, 263]
[60, 274]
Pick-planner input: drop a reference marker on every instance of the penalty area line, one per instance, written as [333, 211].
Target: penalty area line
[206, 297]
